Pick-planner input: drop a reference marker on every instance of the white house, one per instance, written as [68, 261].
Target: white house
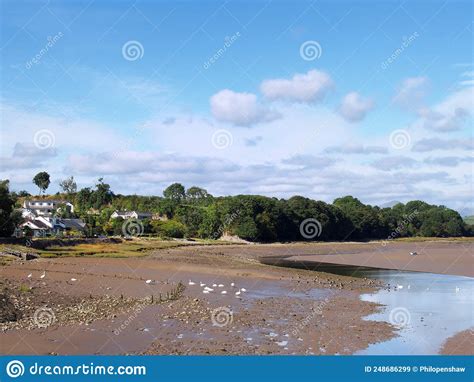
[42, 207]
[131, 215]
[39, 217]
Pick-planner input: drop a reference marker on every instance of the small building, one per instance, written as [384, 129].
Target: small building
[44, 207]
[50, 226]
[131, 215]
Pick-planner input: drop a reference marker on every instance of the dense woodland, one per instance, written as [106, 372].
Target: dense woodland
[196, 213]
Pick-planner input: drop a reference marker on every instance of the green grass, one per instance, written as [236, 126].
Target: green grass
[130, 248]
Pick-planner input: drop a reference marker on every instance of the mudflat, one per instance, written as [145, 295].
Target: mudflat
[202, 300]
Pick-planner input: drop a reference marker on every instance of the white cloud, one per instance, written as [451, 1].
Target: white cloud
[240, 109]
[432, 144]
[354, 107]
[450, 114]
[356, 149]
[394, 163]
[411, 93]
[308, 87]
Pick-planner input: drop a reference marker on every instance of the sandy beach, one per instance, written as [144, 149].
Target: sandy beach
[157, 304]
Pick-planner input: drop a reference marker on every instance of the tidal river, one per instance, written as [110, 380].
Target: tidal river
[428, 308]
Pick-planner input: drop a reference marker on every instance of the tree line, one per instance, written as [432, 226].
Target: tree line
[196, 213]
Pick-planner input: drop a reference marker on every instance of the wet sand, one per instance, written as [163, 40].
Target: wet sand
[460, 344]
[281, 311]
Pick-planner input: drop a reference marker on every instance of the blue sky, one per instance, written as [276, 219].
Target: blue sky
[290, 123]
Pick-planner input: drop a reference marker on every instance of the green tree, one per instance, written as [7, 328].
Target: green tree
[68, 185]
[9, 218]
[174, 192]
[42, 181]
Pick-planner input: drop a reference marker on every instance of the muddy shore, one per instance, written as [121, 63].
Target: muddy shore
[265, 310]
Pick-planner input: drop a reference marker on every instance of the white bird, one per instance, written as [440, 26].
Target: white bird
[43, 275]
[205, 291]
[31, 274]
[202, 284]
[399, 286]
[413, 253]
[232, 285]
[191, 282]
[214, 285]
[224, 292]
[209, 289]
[237, 293]
[408, 287]
[243, 289]
[73, 279]
[221, 285]
[458, 289]
[148, 281]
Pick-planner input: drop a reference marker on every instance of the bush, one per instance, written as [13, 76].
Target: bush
[169, 228]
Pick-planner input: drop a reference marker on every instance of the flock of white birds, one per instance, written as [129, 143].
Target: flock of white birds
[217, 287]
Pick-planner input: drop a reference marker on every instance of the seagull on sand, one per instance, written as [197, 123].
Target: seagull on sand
[191, 282]
[73, 279]
[237, 293]
[224, 292]
[148, 281]
[202, 284]
[243, 289]
[29, 276]
[43, 275]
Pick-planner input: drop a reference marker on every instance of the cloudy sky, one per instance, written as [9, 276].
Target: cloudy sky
[321, 99]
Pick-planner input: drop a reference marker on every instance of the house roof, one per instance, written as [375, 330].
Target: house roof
[35, 224]
[77, 224]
